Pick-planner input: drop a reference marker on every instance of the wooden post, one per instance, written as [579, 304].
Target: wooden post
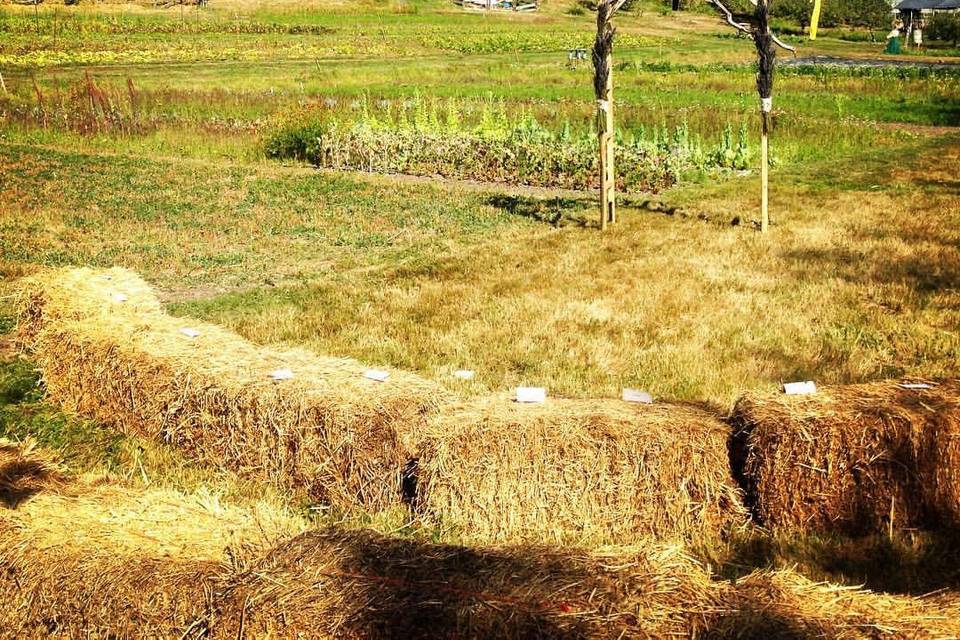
[764, 172]
[764, 40]
[603, 89]
[2, 83]
[766, 59]
[608, 177]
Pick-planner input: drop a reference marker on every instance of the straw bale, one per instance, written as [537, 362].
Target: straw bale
[98, 560]
[851, 458]
[784, 604]
[359, 584]
[575, 471]
[78, 293]
[90, 559]
[330, 431]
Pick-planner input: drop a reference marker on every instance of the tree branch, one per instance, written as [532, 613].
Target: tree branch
[742, 28]
[729, 17]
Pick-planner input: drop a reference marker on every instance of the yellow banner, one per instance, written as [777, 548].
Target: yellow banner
[815, 19]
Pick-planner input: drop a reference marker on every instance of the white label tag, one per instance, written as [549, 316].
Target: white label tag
[376, 374]
[635, 395]
[766, 105]
[531, 394]
[464, 374]
[119, 297]
[282, 374]
[189, 332]
[799, 388]
[915, 385]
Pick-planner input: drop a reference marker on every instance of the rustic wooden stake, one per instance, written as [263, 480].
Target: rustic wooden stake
[765, 43]
[2, 83]
[815, 19]
[603, 89]
[608, 187]
[766, 59]
[764, 173]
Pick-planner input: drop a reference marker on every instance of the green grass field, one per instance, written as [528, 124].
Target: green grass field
[135, 136]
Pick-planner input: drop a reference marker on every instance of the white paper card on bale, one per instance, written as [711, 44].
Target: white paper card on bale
[915, 385]
[464, 374]
[799, 388]
[636, 395]
[376, 374]
[537, 395]
[282, 374]
[190, 332]
[119, 297]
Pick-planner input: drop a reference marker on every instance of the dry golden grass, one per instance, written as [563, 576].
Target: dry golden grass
[330, 432]
[580, 472]
[857, 458]
[851, 284]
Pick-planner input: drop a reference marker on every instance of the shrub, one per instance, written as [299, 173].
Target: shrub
[944, 27]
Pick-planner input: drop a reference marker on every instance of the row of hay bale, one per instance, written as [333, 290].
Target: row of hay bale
[566, 471]
[107, 350]
[82, 558]
[852, 459]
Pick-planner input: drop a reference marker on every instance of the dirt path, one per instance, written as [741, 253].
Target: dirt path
[925, 62]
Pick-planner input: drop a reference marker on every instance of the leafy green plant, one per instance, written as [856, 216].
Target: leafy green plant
[494, 145]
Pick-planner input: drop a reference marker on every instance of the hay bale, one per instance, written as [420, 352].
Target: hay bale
[850, 458]
[784, 604]
[65, 294]
[112, 561]
[99, 560]
[358, 584]
[575, 471]
[329, 432]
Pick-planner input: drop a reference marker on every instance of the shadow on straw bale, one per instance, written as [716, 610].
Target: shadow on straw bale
[851, 459]
[576, 471]
[915, 563]
[110, 561]
[359, 584]
[785, 605]
[24, 472]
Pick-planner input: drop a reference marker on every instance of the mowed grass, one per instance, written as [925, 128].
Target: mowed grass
[856, 281]
[190, 224]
